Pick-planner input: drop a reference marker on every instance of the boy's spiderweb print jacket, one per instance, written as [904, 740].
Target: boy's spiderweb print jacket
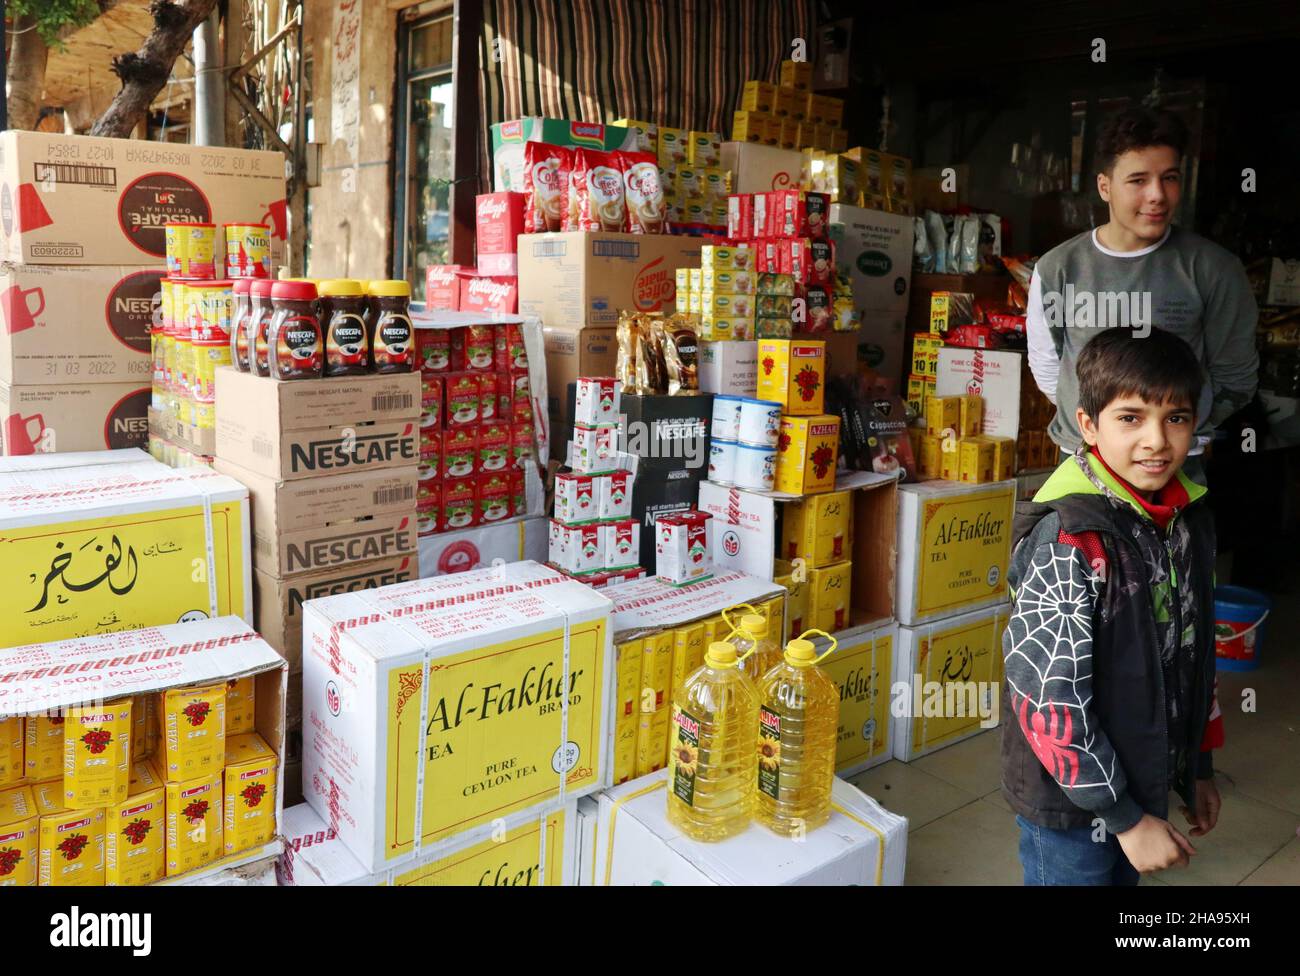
[1109, 652]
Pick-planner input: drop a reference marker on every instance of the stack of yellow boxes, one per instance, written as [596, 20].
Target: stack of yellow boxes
[792, 372]
[922, 381]
[132, 791]
[690, 169]
[790, 115]
[886, 179]
[651, 672]
[816, 542]
[953, 447]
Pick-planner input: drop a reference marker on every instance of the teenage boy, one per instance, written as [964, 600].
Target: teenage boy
[1110, 647]
[1138, 269]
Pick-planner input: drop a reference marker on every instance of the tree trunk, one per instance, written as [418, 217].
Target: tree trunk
[145, 72]
[26, 74]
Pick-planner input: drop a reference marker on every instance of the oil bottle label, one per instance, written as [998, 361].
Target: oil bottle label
[684, 757]
[769, 752]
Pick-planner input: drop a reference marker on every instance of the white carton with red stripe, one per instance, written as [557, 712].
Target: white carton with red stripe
[684, 547]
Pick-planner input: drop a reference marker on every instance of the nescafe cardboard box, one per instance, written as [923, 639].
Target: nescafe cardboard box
[278, 602]
[306, 428]
[311, 524]
[85, 417]
[659, 493]
[77, 325]
[86, 200]
[668, 433]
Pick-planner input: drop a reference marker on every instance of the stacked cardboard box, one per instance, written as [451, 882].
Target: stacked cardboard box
[334, 507]
[1013, 406]
[84, 249]
[393, 763]
[790, 115]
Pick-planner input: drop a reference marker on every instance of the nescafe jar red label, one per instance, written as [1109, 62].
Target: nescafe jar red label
[297, 351]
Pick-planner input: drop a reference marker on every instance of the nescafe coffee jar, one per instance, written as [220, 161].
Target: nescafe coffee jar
[259, 324]
[295, 346]
[240, 346]
[392, 337]
[347, 345]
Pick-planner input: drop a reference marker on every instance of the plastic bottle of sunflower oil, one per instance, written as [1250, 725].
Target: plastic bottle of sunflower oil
[797, 726]
[713, 736]
[751, 631]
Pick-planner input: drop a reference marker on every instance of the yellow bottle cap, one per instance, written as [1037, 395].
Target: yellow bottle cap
[800, 653]
[755, 623]
[342, 287]
[720, 655]
[390, 289]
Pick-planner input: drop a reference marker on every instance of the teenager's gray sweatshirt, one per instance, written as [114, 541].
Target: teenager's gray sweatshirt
[1186, 285]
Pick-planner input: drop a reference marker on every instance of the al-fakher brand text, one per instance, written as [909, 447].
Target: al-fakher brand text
[543, 688]
[962, 530]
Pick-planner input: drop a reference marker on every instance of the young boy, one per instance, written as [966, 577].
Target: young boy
[1110, 648]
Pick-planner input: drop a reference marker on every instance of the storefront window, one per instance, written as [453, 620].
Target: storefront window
[424, 182]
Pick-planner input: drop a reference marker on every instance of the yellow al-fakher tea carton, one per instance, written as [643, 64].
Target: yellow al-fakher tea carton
[19, 837]
[112, 541]
[194, 823]
[862, 669]
[193, 731]
[434, 707]
[250, 779]
[96, 754]
[135, 832]
[656, 689]
[627, 709]
[241, 706]
[71, 841]
[954, 547]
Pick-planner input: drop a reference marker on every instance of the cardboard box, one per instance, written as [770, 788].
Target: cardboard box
[150, 660]
[279, 602]
[570, 353]
[953, 669]
[759, 168]
[508, 140]
[830, 597]
[627, 708]
[312, 524]
[875, 250]
[583, 278]
[499, 220]
[387, 680]
[80, 417]
[793, 374]
[537, 849]
[274, 428]
[863, 844]
[88, 200]
[954, 547]
[157, 545]
[795, 607]
[77, 325]
[818, 530]
[729, 368]
[667, 433]
[806, 453]
[994, 375]
[506, 542]
[862, 669]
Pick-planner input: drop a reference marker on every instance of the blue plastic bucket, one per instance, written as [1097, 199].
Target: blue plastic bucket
[1239, 615]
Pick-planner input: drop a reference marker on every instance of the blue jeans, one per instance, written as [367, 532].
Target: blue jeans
[1072, 857]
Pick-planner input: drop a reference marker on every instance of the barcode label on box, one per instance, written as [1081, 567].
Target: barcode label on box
[263, 547]
[261, 447]
[549, 249]
[397, 493]
[76, 173]
[392, 401]
[615, 249]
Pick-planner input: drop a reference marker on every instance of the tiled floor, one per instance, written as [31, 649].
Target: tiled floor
[962, 831]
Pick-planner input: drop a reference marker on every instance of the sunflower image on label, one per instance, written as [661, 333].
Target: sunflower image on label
[769, 752]
[298, 348]
[684, 755]
[346, 345]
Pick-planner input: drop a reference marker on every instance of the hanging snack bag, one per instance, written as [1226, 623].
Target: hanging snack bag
[595, 192]
[681, 358]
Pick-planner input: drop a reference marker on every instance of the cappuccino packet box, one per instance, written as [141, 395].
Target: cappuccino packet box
[275, 429]
[114, 540]
[72, 199]
[493, 683]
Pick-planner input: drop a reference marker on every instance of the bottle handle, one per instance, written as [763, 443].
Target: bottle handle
[834, 644]
[739, 606]
[753, 644]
